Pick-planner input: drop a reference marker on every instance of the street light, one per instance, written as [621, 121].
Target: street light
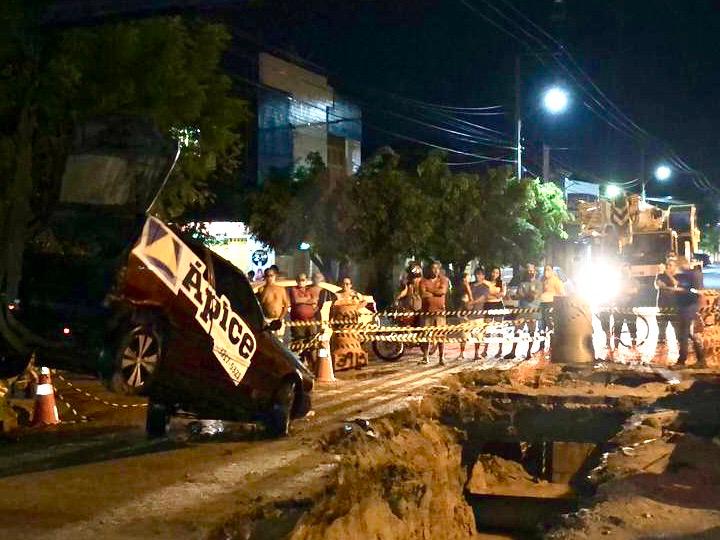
[555, 100]
[663, 172]
[612, 191]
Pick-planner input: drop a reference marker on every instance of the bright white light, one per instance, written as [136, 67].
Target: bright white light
[555, 100]
[663, 172]
[612, 191]
[599, 283]
[304, 246]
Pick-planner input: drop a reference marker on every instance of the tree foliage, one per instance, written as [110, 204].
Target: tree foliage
[385, 213]
[710, 239]
[166, 69]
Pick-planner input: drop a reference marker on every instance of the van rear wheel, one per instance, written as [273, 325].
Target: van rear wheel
[281, 413]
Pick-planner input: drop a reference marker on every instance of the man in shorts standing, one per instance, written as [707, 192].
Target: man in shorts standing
[274, 300]
[433, 291]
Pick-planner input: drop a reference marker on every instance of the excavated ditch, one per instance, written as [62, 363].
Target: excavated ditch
[486, 455]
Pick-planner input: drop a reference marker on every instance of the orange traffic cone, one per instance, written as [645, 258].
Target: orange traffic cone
[45, 411]
[325, 365]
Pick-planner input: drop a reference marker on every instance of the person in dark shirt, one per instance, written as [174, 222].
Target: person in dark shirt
[689, 283]
[666, 286]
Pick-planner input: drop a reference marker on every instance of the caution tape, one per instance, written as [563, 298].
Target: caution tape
[79, 418]
[97, 398]
[392, 314]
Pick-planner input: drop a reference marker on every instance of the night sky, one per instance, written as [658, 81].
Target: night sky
[655, 59]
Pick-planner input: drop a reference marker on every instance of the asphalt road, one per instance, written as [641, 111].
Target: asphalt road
[104, 479]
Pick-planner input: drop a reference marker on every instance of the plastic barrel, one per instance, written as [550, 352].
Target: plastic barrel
[571, 341]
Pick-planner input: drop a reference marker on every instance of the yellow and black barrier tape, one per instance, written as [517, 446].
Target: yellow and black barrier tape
[97, 398]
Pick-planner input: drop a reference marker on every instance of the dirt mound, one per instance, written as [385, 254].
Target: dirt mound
[408, 486]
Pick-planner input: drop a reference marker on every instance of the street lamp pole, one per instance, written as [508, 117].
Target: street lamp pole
[643, 176]
[518, 117]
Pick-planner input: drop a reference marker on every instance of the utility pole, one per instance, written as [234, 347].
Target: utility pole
[642, 171]
[518, 117]
[546, 162]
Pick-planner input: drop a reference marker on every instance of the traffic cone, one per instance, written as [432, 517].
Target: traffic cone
[45, 411]
[325, 365]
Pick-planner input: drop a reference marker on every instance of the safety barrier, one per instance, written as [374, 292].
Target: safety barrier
[97, 398]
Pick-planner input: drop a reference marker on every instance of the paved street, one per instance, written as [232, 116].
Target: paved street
[711, 277]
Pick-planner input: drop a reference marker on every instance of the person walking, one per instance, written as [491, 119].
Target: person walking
[528, 297]
[274, 300]
[433, 291]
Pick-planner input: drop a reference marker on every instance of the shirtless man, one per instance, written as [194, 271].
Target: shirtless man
[433, 290]
[273, 299]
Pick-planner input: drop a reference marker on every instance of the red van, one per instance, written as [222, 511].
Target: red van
[213, 353]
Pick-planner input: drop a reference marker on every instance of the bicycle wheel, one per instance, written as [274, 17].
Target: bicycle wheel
[390, 351]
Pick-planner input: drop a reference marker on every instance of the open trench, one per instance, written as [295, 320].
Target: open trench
[485, 455]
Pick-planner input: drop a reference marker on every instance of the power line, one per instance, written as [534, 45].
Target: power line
[377, 128]
[609, 112]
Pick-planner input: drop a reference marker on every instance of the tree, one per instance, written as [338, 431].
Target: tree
[303, 205]
[390, 218]
[540, 221]
[490, 216]
[165, 69]
[376, 215]
[710, 239]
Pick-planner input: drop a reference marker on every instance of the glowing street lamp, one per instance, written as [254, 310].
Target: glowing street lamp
[612, 191]
[555, 100]
[663, 172]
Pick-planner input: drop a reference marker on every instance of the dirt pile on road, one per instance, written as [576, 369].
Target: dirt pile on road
[539, 450]
[406, 485]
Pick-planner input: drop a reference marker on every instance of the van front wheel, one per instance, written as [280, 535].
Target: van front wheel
[282, 408]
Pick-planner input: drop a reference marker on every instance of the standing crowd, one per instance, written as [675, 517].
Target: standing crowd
[423, 299]
[483, 297]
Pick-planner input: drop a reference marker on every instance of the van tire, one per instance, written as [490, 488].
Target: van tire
[138, 351]
[157, 421]
[282, 409]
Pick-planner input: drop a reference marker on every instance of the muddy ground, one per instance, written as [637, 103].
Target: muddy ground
[471, 450]
[540, 451]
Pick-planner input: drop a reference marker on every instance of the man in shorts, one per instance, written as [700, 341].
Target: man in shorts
[274, 300]
[433, 291]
